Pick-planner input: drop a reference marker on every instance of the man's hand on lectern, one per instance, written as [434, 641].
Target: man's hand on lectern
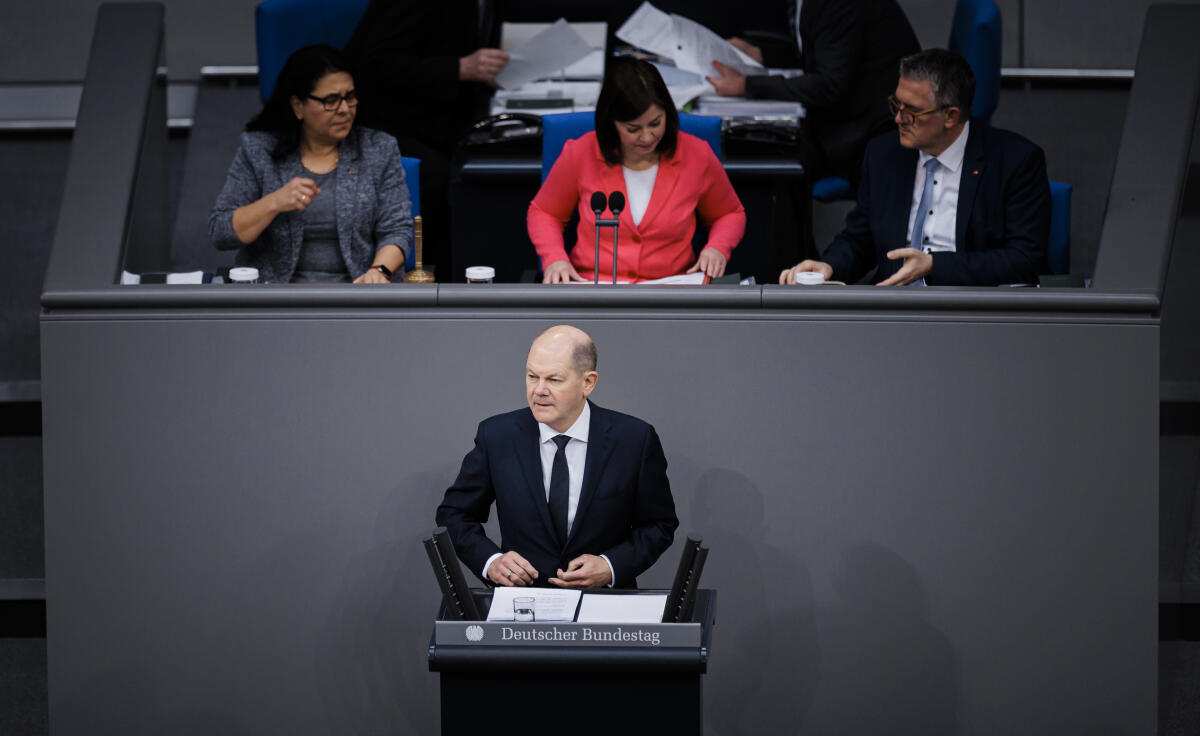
[585, 571]
[511, 568]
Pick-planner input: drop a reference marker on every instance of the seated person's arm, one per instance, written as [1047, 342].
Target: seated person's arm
[393, 221]
[549, 212]
[722, 213]
[1026, 231]
[233, 223]
[851, 255]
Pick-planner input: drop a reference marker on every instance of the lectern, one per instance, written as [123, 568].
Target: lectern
[585, 678]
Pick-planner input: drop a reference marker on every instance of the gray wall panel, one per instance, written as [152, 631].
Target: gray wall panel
[1100, 34]
[917, 526]
[48, 40]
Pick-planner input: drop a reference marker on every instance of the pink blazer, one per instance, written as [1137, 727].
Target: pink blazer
[690, 182]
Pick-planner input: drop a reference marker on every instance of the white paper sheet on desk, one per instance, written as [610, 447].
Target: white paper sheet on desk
[690, 45]
[683, 278]
[549, 604]
[546, 54]
[641, 608]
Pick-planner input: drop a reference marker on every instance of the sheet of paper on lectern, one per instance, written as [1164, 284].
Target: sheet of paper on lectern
[549, 604]
[609, 608]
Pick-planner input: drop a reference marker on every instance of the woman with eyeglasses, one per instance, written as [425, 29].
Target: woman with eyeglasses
[309, 196]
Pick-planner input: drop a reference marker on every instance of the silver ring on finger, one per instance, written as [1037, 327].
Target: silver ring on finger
[510, 575]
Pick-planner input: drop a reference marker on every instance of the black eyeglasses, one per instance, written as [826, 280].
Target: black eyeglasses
[907, 116]
[332, 102]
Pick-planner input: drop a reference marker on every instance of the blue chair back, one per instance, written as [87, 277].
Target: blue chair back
[283, 26]
[1058, 248]
[559, 128]
[832, 189]
[977, 35]
[412, 177]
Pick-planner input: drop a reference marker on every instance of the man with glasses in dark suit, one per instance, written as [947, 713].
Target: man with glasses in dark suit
[944, 200]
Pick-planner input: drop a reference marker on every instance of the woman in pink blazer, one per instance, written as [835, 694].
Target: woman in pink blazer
[666, 175]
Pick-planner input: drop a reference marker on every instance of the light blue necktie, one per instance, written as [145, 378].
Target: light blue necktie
[916, 241]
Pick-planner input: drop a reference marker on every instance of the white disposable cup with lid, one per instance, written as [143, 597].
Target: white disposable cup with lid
[243, 275]
[809, 278]
[480, 275]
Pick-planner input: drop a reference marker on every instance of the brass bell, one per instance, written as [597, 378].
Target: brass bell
[418, 275]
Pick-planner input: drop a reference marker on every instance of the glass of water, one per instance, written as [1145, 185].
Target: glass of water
[523, 608]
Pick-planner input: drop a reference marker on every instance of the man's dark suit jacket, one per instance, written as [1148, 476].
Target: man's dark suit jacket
[625, 507]
[851, 59]
[405, 55]
[1002, 224]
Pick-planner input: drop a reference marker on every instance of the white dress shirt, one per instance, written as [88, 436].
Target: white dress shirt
[942, 217]
[576, 452]
[639, 185]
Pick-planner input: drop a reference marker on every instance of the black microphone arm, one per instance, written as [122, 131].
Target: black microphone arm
[616, 203]
[598, 203]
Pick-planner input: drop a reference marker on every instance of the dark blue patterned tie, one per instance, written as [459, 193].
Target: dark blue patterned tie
[560, 481]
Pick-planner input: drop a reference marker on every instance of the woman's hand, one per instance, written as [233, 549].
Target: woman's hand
[711, 262]
[296, 195]
[561, 272]
[250, 220]
[372, 276]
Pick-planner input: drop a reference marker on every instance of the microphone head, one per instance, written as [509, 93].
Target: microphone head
[598, 203]
[616, 203]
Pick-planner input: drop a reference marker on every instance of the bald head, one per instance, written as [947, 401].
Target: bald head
[576, 342]
[560, 373]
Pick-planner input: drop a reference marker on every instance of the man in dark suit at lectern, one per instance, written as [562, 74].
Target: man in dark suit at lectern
[581, 492]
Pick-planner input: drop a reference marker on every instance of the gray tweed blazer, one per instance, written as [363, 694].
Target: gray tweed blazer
[373, 208]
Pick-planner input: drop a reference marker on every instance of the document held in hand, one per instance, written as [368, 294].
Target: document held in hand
[690, 45]
[544, 55]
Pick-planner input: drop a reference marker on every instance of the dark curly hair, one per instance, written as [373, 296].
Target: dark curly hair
[630, 88]
[298, 78]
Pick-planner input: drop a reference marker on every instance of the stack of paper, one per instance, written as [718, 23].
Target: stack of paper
[729, 107]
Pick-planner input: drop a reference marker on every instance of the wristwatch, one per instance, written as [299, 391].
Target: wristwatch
[383, 269]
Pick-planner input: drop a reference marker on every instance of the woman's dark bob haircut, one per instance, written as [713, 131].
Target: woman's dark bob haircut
[298, 79]
[629, 89]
